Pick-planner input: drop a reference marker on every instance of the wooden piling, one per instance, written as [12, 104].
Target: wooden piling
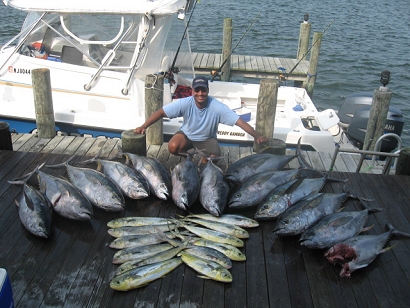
[403, 162]
[43, 102]
[303, 46]
[133, 143]
[226, 50]
[154, 89]
[377, 118]
[5, 137]
[266, 109]
[314, 59]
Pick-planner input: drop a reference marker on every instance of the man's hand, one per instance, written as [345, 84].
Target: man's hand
[262, 139]
[140, 130]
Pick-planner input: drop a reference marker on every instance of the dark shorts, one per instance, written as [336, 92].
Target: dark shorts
[208, 147]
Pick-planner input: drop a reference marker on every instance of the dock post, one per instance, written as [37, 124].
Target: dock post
[378, 114]
[303, 45]
[403, 162]
[154, 89]
[134, 143]
[43, 103]
[226, 50]
[266, 109]
[5, 137]
[314, 59]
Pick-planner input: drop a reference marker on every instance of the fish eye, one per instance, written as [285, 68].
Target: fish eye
[285, 221]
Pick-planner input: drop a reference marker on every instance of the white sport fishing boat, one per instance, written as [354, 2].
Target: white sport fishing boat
[99, 54]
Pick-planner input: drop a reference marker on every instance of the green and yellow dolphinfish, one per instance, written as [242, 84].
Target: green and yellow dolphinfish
[143, 275]
[210, 269]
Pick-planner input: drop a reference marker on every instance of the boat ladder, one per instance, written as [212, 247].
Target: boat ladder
[374, 153]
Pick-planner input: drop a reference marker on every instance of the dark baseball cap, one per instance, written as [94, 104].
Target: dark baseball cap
[200, 81]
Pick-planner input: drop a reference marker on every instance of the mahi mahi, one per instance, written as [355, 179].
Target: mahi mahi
[141, 276]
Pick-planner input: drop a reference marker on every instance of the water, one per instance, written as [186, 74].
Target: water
[365, 38]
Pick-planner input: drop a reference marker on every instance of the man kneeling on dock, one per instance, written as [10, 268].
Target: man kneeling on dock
[201, 116]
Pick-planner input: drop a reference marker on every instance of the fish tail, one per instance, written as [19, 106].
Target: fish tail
[396, 232]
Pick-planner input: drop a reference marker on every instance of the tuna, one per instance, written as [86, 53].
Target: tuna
[298, 218]
[64, 198]
[287, 195]
[335, 228]
[158, 177]
[359, 251]
[99, 189]
[185, 183]
[213, 193]
[255, 189]
[132, 183]
[35, 212]
[245, 167]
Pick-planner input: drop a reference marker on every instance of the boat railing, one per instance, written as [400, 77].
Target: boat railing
[374, 153]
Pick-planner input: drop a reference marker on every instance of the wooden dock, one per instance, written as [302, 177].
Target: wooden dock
[73, 267]
[246, 66]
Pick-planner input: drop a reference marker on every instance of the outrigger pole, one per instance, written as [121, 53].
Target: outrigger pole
[313, 44]
[215, 73]
[173, 69]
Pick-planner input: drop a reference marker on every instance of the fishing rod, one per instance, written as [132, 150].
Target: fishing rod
[215, 73]
[314, 43]
[172, 69]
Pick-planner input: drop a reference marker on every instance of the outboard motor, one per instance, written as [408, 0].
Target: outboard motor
[354, 115]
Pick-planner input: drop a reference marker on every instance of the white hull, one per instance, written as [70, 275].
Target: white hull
[107, 107]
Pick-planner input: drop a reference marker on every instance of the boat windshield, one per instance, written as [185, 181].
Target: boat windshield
[106, 42]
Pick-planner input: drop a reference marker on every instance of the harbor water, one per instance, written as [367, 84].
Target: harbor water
[361, 40]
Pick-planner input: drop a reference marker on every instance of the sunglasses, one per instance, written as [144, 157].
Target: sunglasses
[197, 89]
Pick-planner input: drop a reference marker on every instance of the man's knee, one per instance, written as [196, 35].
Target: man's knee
[173, 147]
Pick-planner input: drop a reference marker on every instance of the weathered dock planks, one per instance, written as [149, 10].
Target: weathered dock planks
[73, 268]
[245, 65]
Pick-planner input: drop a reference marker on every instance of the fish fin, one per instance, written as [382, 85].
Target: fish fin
[397, 232]
[64, 164]
[367, 228]
[302, 161]
[387, 249]
[340, 209]
[204, 277]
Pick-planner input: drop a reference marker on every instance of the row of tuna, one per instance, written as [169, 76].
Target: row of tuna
[299, 208]
[86, 187]
[151, 247]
